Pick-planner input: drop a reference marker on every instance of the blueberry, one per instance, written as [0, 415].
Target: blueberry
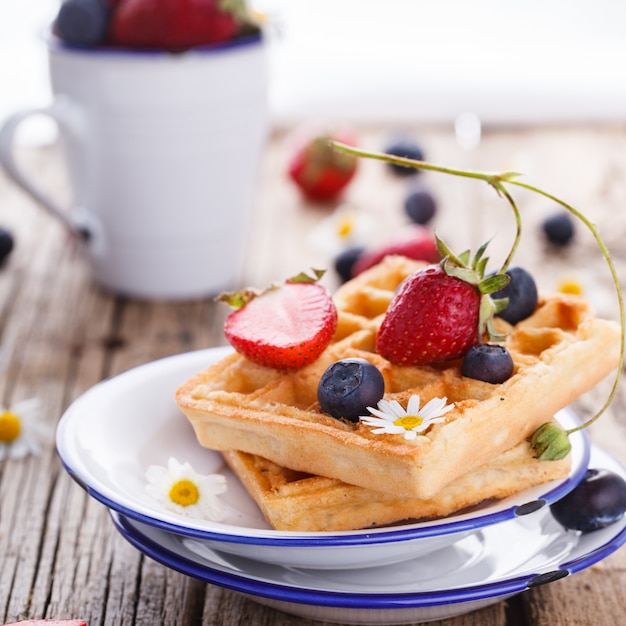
[597, 501]
[488, 362]
[522, 295]
[348, 387]
[6, 244]
[420, 205]
[345, 260]
[559, 228]
[405, 148]
[82, 22]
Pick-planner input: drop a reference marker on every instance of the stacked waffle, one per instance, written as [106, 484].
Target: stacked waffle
[310, 471]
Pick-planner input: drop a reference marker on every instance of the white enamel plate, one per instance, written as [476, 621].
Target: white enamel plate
[111, 434]
[482, 568]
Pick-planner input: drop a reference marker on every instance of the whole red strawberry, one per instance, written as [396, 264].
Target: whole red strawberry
[441, 311]
[284, 327]
[433, 317]
[415, 242]
[321, 172]
[174, 24]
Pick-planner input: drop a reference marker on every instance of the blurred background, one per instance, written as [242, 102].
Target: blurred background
[402, 60]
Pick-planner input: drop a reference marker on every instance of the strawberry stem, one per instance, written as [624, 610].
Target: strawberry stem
[492, 178]
[607, 257]
[497, 180]
[518, 224]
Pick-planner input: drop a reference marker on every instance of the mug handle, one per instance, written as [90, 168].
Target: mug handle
[69, 120]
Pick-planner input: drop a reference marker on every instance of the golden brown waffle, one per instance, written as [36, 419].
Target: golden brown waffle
[559, 352]
[300, 502]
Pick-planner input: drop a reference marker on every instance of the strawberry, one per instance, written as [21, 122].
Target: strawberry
[440, 311]
[415, 242]
[284, 327]
[174, 24]
[320, 172]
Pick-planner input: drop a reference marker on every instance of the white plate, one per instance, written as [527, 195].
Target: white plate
[110, 435]
[482, 568]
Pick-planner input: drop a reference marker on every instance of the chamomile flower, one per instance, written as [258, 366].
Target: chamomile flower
[180, 489]
[345, 227]
[584, 284]
[21, 432]
[391, 418]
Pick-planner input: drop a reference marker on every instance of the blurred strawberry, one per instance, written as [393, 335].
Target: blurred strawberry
[175, 24]
[320, 172]
[415, 242]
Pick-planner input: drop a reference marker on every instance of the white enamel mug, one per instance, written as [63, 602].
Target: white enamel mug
[162, 153]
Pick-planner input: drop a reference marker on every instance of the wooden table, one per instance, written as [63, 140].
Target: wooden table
[60, 556]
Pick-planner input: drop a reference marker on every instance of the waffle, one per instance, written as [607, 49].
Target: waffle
[559, 352]
[295, 501]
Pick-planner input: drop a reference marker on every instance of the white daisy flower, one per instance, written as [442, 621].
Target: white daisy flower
[180, 489]
[344, 227]
[391, 418]
[584, 284]
[21, 431]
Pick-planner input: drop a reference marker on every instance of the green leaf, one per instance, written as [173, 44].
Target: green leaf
[238, 299]
[481, 266]
[479, 254]
[237, 8]
[303, 277]
[500, 304]
[492, 283]
[493, 334]
[464, 257]
[465, 274]
[444, 250]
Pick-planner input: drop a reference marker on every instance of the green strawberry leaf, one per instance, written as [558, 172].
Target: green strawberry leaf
[303, 277]
[492, 283]
[500, 304]
[238, 299]
[465, 274]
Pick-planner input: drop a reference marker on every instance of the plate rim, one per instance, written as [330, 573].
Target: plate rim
[506, 586]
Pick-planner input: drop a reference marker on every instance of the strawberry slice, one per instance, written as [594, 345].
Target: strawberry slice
[284, 327]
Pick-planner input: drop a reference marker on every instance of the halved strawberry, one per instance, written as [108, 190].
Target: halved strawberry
[284, 327]
[415, 242]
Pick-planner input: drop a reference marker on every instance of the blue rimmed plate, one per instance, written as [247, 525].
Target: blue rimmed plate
[111, 434]
[482, 568]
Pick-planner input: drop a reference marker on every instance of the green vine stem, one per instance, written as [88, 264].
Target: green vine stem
[498, 182]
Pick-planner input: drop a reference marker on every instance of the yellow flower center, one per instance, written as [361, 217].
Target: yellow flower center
[409, 422]
[184, 492]
[10, 427]
[344, 226]
[571, 286]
